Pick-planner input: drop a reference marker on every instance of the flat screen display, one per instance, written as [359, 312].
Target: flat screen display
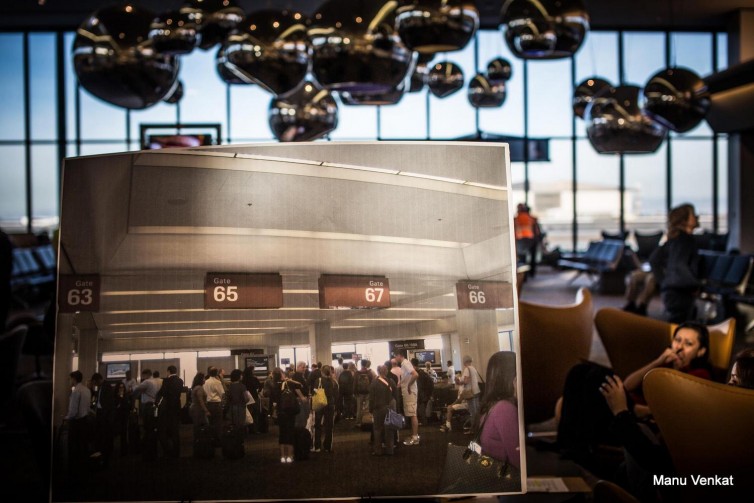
[425, 356]
[259, 362]
[117, 370]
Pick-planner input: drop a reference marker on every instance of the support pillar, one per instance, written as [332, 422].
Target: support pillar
[477, 333]
[320, 342]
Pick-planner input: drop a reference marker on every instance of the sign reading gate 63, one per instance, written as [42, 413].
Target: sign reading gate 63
[79, 293]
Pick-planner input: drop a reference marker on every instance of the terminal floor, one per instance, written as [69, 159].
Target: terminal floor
[349, 471]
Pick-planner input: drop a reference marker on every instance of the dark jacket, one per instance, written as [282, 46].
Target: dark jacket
[676, 264]
[380, 395]
[170, 393]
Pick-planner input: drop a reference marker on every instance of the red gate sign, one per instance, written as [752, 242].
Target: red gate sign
[78, 293]
[243, 291]
[484, 295]
[353, 292]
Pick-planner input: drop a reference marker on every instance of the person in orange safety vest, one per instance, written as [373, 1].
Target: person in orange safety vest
[528, 236]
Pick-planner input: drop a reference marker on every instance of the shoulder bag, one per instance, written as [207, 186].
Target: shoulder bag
[467, 471]
[319, 399]
[394, 420]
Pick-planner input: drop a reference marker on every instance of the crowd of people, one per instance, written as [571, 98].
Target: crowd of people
[303, 401]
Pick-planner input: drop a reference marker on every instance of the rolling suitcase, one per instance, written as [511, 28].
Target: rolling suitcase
[232, 442]
[203, 445]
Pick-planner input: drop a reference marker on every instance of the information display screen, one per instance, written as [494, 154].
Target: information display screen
[243, 291]
[353, 292]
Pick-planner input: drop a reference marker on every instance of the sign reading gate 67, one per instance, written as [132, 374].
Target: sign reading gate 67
[243, 291]
[353, 292]
[79, 293]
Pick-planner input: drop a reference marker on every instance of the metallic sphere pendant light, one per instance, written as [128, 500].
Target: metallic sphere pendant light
[585, 92]
[486, 93]
[544, 29]
[677, 98]
[176, 32]
[218, 19]
[444, 79]
[228, 73]
[306, 114]
[176, 94]
[355, 46]
[617, 125]
[499, 69]
[431, 26]
[114, 60]
[390, 97]
[271, 49]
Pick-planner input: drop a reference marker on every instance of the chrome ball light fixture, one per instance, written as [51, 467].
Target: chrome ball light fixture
[444, 79]
[585, 93]
[176, 94]
[306, 114]
[544, 29]
[115, 61]
[677, 98]
[218, 19]
[499, 69]
[617, 125]
[176, 32]
[391, 97]
[228, 73]
[432, 26]
[484, 92]
[355, 47]
[270, 49]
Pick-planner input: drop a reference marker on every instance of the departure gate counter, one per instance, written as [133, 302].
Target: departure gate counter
[182, 251]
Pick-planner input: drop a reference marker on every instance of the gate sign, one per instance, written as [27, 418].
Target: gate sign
[484, 295]
[353, 292]
[79, 293]
[243, 291]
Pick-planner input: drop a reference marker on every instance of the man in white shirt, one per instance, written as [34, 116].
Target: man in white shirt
[409, 392]
[215, 390]
[451, 372]
[78, 409]
[146, 391]
[470, 382]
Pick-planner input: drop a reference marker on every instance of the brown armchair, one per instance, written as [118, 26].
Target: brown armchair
[553, 339]
[632, 341]
[707, 428]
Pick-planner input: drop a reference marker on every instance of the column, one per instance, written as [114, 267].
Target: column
[320, 342]
[477, 335]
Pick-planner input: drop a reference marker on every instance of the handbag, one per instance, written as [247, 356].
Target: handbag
[319, 399]
[249, 418]
[467, 471]
[394, 421]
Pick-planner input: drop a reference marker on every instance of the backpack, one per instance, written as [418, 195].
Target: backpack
[289, 401]
[426, 385]
[345, 381]
[362, 383]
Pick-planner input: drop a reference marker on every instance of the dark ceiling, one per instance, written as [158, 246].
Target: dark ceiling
[605, 14]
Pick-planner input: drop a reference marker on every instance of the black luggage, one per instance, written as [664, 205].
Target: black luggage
[232, 442]
[203, 444]
[302, 444]
[263, 423]
[459, 420]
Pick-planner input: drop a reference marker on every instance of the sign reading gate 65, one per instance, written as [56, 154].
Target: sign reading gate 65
[79, 293]
[243, 291]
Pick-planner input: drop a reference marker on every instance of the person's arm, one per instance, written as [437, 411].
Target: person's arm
[505, 421]
[73, 404]
[633, 381]
[412, 380]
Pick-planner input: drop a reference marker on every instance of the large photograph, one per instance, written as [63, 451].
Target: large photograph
[288, 322]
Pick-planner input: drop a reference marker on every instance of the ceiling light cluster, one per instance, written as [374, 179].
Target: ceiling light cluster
[369, 52]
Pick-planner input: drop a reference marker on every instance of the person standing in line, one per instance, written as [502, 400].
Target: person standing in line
[199, 412]
[381, 398]
[346, 386]
[409, 393]
[237, 400]
[363, 381]
[253, 386]
[103, 402]
[338, 368]
[169, 418]
[146, 390]
[215, 391]
[528, 236]
[451, 372]
[470, 381]
[676, 265]
[324, 418]
[78, 434]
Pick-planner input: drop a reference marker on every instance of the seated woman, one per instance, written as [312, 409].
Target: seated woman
[498, 417]
[742, 371]
[586, 419]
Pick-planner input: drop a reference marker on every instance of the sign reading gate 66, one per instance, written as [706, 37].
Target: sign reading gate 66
[79, 293]
[243, 291]
[484, 295]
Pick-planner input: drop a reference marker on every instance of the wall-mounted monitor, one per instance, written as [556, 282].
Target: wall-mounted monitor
[157, 136]
[425, 356]
[260, 363]
[117, 370]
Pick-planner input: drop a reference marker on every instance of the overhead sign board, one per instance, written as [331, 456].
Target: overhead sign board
[353, 292]
[79, 293]
[484, 295]
[243, 291]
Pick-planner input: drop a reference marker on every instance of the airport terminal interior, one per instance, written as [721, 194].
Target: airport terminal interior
[269, 191]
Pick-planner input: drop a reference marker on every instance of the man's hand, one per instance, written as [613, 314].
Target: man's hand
[615, 395]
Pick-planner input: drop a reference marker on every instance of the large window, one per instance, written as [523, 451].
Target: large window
[538, 106]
